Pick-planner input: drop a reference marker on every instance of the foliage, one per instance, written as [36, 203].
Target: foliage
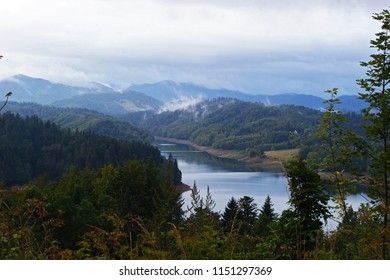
[31, 147]
[108, 199]
[82, 120]
[377, 115]
[308, 200]
[236, 125]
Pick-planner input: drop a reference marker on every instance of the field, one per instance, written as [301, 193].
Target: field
[282, 154]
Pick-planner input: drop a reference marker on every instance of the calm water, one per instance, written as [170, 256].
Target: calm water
[228, 178]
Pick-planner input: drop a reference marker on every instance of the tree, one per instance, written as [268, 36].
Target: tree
[231, 215]
[202, 213]
[308, 201]
[377, 117]
[267, 215]
[340, 146]
[267, 210]
[249, 211]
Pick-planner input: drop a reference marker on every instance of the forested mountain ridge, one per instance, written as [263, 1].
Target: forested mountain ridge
[236, 125]
[82, 120]
[160, 96]
[31, 147]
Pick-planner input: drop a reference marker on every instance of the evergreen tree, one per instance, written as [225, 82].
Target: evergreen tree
[377, 115]
[248, 209]
[231, 215]
[266, 217]
[267, 210]
[308, 201]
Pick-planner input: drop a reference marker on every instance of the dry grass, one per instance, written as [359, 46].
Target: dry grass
[282, 154]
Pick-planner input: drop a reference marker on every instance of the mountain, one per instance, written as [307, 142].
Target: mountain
[28, 89]
[98, 97]
[161, 96]
[351, 103]
[231, 124]
[82, 120]
[112, 103]
[31, 147]
[170, 91]
[179, 95]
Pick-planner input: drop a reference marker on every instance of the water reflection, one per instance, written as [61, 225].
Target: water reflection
[226, 178]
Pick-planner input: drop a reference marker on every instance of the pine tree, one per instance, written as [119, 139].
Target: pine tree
[266, 217]
[267, 210]
[231, 215]
[249, 212]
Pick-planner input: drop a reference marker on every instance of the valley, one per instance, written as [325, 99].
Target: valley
[270, 163]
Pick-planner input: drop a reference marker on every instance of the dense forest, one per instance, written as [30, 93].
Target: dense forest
[236, 125]
[76, 195]
[31, 147]
[231, 124]
[82, 120]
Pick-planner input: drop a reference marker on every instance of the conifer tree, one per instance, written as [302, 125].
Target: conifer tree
[308, 201]
[377, 116]
[267, 210]
[230, 215]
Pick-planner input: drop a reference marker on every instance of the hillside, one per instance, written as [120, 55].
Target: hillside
[236, 125]
[82, 120]
[31, 147]
[29, 89]
[98, 97]
[111, 103]
[160, 96]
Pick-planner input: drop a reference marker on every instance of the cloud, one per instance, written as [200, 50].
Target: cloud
[219, 42]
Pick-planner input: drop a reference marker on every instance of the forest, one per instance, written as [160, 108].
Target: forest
[31, 147]
[82, 120]
[77, 195]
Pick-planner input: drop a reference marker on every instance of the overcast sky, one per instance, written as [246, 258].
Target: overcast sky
[256, 46]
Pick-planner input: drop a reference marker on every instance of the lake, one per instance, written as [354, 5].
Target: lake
[228, 178]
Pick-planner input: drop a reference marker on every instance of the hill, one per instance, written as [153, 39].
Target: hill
[231, 124]
[29, 89]
[111, 103]
[31, 147]
[98, 97]
[82, 120]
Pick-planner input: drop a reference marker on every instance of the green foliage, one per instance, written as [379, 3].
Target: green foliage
[235, 125]
[266, 217]
[31, 147]
[83, 120]
[308, 200]
[377, 116]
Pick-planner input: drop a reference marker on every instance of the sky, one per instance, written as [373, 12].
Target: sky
[255, 46]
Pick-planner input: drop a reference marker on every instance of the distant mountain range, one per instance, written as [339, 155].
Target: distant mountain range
[161, 96]
[99, 97]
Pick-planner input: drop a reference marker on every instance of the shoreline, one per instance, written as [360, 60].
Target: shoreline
[254, 163]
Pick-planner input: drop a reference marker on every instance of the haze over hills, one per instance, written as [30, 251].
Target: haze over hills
[99, 97]
[28, 89]
[170, 92]
[161, 96]
[112, 103]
